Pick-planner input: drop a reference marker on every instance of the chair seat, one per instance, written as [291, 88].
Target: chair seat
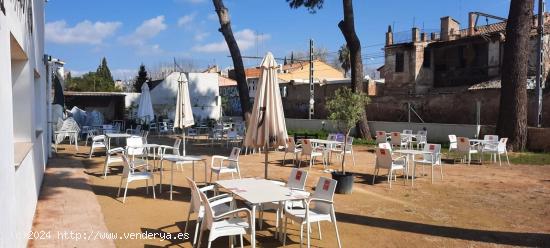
[228, 227]
[424, 161]
[98, 145]
[315, 154]
[299, 215]
[397, 166]
[142, 175]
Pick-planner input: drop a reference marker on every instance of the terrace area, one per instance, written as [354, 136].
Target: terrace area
[481, 205]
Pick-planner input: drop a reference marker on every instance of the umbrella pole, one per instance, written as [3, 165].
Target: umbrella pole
[183, 134]
[265, 160]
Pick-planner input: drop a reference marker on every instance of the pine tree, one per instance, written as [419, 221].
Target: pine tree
[291, 57]
[141, 78]
[104, 72]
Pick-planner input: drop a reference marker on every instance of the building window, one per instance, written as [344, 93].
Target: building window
[399, 62]
[427, 63]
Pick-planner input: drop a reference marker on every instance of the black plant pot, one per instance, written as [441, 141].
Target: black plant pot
[345, 182]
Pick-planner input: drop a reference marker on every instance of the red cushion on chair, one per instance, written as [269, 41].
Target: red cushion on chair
[298, 175]
[326, 185]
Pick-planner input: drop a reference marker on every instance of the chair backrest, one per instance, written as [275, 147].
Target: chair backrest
[385, 145]
[324, 190]
[195, 195]
[407, 131]
[176, 146]
[395, 138]
[208, 218]
[422, 133]
[297, 179]
[502, 144]
[383, 158]
[463, 144]
[134, 145]
[232, 134]
[381, 137]
[349, 143]
[433, 149]
[491, 138]
[127, 169]
[452, 138]
[307, 147]
[235, 152]
[290, 144]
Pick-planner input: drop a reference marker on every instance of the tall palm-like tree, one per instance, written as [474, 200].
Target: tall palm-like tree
[512, 119]
[240, 77]
[343, 58]
[347, 27]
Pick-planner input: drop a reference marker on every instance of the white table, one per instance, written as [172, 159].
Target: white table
[174, 159]
[258, 191]
[329, 145]
[115, 135]
[410, 157]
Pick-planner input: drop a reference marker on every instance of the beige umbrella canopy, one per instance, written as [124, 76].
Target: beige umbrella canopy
[184, 112]
[267, 126]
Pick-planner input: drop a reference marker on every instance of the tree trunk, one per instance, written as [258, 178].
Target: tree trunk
[512, 119]
[225, 29]
[347, 26]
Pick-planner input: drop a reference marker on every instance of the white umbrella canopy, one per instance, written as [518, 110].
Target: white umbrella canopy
[145, 108]
[267, 127]
[184, 112]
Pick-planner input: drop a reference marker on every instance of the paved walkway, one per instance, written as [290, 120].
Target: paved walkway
[67, 204]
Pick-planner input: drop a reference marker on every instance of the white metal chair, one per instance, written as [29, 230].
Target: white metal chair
[384, 160]
[130, 173]
[398, 141]
[381, 137]
[112, 156]
[90, 133]
[421, 141]
[218, 204]
[164, 128]
[319, 207]
[98, 141]
[312, 153]
[349, 150]
[296, 182]
[225, 224]
[433, 158]
[490, 143]
[498, 150]
[466, 149]
[233, 138]
[291, 147]
[232, 167]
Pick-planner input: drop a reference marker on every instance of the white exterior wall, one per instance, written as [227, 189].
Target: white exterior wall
[23, 107]
[203, 89]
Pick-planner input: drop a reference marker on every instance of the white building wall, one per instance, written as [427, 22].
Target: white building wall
[23, 107]
[203, 89]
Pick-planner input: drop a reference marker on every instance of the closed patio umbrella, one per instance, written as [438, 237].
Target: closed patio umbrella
[145, 108]
[267, 126]
[184, 112]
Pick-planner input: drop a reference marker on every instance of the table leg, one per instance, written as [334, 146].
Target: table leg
[414, 173]
[205, 173]
[171, 179]
[280, 220]
[193, 173]
[253, 227]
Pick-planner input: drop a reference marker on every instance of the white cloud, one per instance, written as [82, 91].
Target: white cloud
[123, 74]
[212, 17]
[199, 36]
[246, 39]
[186, 20]
[146, 31]
[85, 32]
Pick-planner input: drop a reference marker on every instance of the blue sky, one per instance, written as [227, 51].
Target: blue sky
[153, 32]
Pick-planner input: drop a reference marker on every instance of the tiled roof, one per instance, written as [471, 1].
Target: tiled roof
[223, 81]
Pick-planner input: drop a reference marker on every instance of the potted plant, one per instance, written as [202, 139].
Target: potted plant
[346, 107]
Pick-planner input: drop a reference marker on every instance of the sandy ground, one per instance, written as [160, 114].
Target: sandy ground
[473, 206]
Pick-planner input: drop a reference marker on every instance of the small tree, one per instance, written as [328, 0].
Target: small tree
[347, 108]
[141, 78]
